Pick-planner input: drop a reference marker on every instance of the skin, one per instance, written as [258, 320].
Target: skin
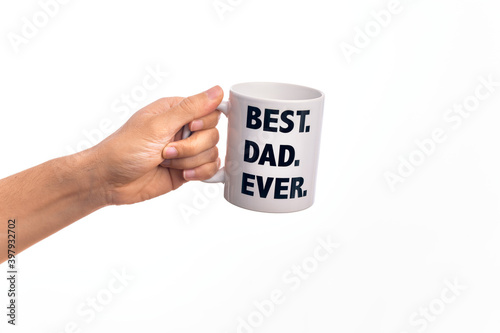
[143, 159]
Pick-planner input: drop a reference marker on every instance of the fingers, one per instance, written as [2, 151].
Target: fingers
[208, 156]
[193, 107]
[194, 145]
[203, 172]
[196, 155]
[206, 122]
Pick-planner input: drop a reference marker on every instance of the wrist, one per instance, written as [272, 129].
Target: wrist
[86, 170]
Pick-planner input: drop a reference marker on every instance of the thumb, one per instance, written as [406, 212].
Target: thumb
[193, 107]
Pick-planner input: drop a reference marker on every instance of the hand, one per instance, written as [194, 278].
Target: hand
[145, 158]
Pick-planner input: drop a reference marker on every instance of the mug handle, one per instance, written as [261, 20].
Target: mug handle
[186, 133]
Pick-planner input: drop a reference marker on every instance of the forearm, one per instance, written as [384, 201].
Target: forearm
[49, 197]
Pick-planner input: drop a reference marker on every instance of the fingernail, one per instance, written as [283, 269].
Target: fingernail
[196, 125]
[166, 163]
[169, 152]
[218, 162]
[189, 174]
[213, 93]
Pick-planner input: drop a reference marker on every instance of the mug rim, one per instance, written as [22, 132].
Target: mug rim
[234, 91]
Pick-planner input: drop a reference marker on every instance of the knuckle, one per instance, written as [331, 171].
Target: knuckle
[212, 170]
[162, 104]
[214, 117]
[181, 150]
[214, 135]
[214, 153]
[188, 105]
[187, 148]
[163, 101]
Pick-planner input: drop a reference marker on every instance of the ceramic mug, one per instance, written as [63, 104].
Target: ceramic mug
[274, 132]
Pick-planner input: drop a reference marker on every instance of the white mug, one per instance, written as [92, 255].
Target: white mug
[274, 132]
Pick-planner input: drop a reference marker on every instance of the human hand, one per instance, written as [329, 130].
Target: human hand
[145, 158]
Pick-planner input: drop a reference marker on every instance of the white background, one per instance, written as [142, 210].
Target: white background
[397, 248]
